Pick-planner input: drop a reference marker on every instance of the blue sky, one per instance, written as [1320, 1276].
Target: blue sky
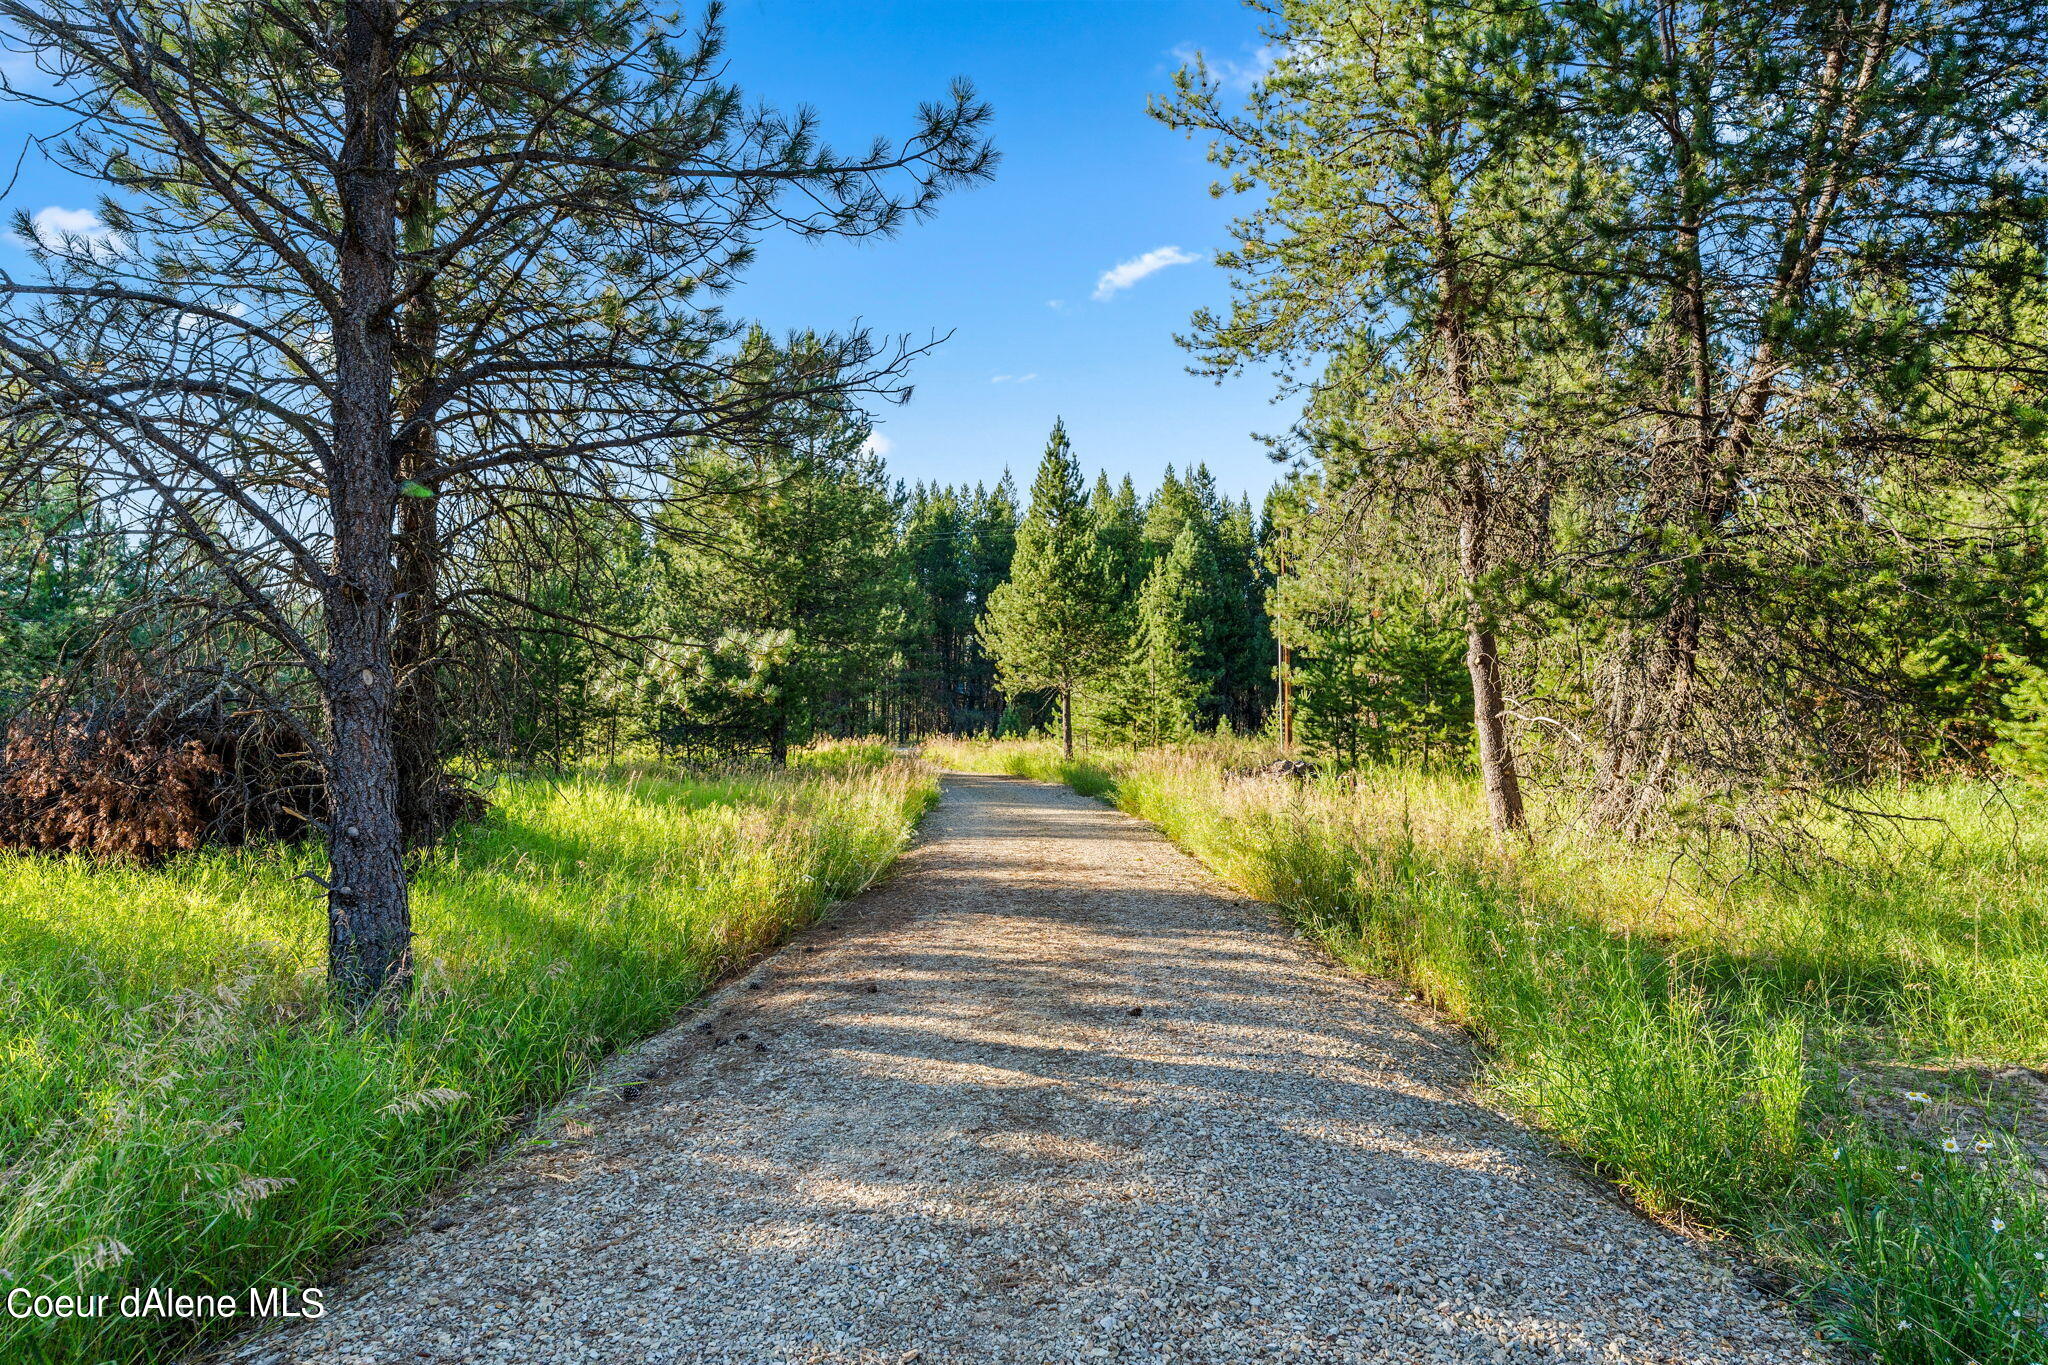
[1012, 268]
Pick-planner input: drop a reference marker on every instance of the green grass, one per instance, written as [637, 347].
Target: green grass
[180, 1106]
[1732, 1050]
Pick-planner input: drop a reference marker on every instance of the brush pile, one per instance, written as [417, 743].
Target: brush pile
[124, 778]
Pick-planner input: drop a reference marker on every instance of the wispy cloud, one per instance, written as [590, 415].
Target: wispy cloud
[877, 445]
[1124, 274]
[1229, 72]
[1013, 378]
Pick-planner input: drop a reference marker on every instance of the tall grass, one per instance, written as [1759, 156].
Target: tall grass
[1705, 1040]
[180, 1106]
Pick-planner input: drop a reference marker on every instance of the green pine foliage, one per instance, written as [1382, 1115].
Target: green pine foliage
[1051, 626]
[957, 548]
[60, 581]
[1165, 681]
[1378, 643]
[777, 606]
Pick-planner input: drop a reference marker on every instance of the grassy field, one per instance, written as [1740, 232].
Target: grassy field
[179, 1106]
[1839, 1068]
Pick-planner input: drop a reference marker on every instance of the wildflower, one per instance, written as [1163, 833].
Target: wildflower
[1835, 1155]
[1919, 1179]
[1998, 1225]
[1919, 1097]
[1900, 1169]
[1951, 1145]
[1982, 1145]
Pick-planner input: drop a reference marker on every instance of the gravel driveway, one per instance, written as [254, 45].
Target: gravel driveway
[1050, 1094]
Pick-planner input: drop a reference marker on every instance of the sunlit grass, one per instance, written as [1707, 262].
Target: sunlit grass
[1691, 1025]
[179, 1105]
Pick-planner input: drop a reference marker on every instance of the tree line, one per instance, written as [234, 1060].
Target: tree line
[1669, 380]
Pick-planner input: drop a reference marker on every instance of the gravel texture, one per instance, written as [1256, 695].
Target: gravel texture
[1049, 1094]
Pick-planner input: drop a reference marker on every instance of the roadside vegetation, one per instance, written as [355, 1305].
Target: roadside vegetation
[183, 1102]
[1831, 1065]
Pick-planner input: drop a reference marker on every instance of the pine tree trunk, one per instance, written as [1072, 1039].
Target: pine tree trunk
[1474, 505]
[416, 726]
[1482, 661]
[1067, 721]
[369, 914]
[422, 808]
[1286, 700]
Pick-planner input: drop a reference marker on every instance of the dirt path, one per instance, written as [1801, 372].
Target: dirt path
[941, 1130]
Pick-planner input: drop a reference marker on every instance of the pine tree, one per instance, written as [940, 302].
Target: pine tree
[1377, 642]
[940, 621]
[1166, 684]
[1050, 626]
[1385, 193]
[781, 602]
[1244, 649]
[1120, 531]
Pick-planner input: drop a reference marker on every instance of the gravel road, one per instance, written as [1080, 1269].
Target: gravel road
[1051, 1093]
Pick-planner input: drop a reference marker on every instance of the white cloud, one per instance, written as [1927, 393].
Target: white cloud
[1228, 72]
[1124, 274]
[1013, 378]
[60, 229]
[1056, 304]
[82, 221]
[877, 445]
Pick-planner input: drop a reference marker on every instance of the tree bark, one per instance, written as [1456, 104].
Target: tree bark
[423, 810]
[416, 727]
[1067, 721]
[778, 729]
[1482, 662]
[1286, 699]
[1474, 509]
[369, 913]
